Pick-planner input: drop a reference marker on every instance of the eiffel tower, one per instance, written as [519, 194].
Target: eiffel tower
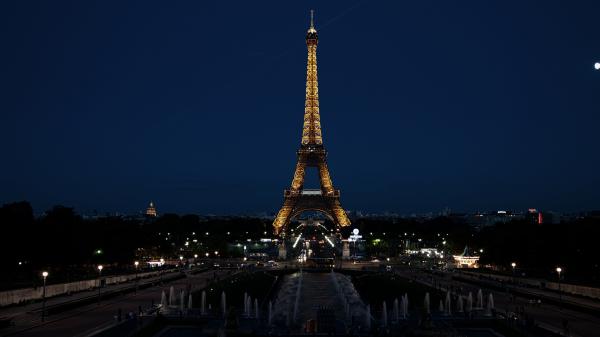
[312, 153]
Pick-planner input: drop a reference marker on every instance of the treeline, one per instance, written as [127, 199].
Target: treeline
[536, 249]
[63, 241]
[539, 249]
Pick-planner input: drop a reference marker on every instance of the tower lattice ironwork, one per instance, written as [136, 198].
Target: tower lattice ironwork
[312, 153]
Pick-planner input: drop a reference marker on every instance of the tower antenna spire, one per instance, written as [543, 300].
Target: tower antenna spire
[312, 18]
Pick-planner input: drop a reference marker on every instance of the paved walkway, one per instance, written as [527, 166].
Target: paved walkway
[548, 316]
[81, 321]
[542, 293]
[18, 310]
[318, 290]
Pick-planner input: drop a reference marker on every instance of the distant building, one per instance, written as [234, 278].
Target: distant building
[480, 220]
[466, 259]
[151, 211]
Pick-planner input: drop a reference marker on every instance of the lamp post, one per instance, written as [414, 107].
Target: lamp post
[44, 275]
[513, 265]
[160, 272]
[558, 271]
[136, 264]
[100, 267]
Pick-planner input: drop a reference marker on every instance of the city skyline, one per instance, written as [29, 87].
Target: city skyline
[456, 121]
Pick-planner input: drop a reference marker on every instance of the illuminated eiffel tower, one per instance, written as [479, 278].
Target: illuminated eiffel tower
[312, 153]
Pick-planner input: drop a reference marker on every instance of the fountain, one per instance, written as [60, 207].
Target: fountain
[426, 304]
[171, 296]
[181, 300]
[469, 302]
[270, 321]
[246, 304]
[348, 295]
[396, 311]
[223, 303]
[283, 306]
[384, 315]
[368, 318]
[190, 301]
[163, 300]
[297, 300]
[479, 299]
[405, 306]
[448, 304]
[441, 307]
[256, 308]
[459, 304]
[203, 303]
[347, 310]
[490, 305]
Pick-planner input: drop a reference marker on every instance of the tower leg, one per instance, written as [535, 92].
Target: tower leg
[340, 214]
[283, 216]
[326, 183]
[282, 251]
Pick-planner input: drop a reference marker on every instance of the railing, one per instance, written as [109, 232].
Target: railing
[310, 192]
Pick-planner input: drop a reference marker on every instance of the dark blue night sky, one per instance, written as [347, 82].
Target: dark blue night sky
[471, 105]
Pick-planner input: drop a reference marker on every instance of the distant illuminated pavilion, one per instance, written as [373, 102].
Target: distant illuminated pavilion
[466, 259]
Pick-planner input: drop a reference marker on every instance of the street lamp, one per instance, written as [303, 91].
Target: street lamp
[160, 271]
[44, 275]
[559, 270]
[136, 264]
[100, 267]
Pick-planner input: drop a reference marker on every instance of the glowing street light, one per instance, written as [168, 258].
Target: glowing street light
[195, 256]
[160, 272]
[513, 265]
[44, 275]
[136, 264]
[100, 267]
[558, 271]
